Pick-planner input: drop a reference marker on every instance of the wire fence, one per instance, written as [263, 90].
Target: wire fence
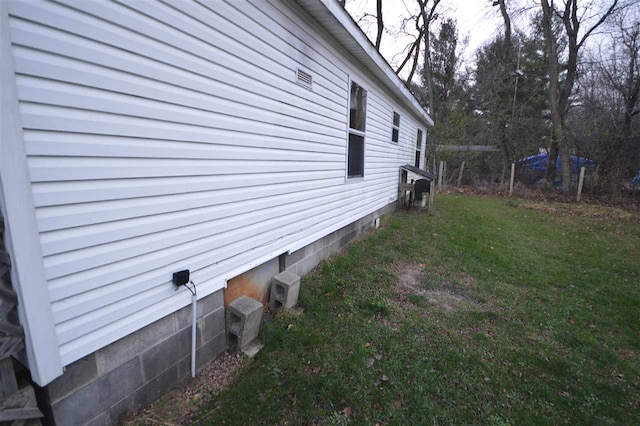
[486, 172]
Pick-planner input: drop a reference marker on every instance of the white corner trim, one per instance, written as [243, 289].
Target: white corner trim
[22, 238]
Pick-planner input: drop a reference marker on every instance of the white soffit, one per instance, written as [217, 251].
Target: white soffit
[340, 25]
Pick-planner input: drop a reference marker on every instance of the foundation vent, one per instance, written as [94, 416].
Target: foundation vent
[304, 78]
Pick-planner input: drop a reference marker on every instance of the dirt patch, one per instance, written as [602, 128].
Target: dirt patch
[181, 405]
[409, 275]
[465, 279]
[567, 209]
[445, 300]
[442, 293]
[627, 354]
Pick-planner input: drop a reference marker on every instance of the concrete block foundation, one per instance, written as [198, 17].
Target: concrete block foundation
[103, 387]
[304, 260]
[129, 374]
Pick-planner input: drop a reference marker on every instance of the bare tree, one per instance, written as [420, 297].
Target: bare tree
[560, 92]
[620, 71]
[419, 21]
[429, 14]
[630, 87]
[413, 52]
[422, 20]
[504, 94]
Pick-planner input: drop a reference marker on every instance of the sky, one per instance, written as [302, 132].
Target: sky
[476, 20]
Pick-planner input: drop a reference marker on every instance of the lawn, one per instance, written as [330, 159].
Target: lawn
[487, 312]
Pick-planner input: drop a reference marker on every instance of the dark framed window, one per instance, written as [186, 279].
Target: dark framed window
[418, 148]
[357, 119]
[395, 131]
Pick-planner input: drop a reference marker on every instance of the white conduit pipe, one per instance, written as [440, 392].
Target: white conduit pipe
[194, 307]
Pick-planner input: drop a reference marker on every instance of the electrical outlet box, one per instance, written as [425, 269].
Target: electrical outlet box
[181, 277]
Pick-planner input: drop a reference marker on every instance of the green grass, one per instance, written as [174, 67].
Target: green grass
[545, 330]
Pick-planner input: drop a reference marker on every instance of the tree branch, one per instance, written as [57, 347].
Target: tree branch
[414, 45]
[597, 24]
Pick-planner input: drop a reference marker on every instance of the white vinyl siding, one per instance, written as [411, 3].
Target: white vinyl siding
[165, 137]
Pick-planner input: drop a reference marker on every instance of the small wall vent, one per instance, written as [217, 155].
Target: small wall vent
[304, 78]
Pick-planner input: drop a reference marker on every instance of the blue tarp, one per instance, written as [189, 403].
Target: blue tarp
[539, 163]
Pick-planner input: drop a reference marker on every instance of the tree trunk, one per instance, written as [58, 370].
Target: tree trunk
[380, 24]
[414, 67]
[550, 174]
[501, 140]
[505, 92]
[557, 135]
[427, 17]
[429, 72]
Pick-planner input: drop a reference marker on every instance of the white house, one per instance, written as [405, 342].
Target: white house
[139, 138]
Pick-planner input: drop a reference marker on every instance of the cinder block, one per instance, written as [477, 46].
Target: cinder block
[316, 246]
[87, 403]
[344, 241]
[213, 324]
[305, 266]
[145, 395]
[166, 353]
[75, 376]
[209, 351]
[206, 305]
[243, 319]
[285, 288]
[127, 348]
[102, 420]
[293, 258]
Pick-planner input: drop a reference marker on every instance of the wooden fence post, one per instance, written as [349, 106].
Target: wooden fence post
[580, 182]
[460, 175]
[440, 175]
[445, 181]
[432, 190]
[513, 175]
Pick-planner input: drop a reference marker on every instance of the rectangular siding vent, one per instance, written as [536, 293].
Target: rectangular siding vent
[304, 78]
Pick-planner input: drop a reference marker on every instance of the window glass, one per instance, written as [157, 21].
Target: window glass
[355, 166]
[357, 119]
[357, 108]
[418, 148]
[395, 132]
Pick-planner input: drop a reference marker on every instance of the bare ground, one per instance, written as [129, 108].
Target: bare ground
[448, 296]
[181, 405]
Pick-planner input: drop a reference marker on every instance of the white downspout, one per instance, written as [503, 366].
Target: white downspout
[194, 322]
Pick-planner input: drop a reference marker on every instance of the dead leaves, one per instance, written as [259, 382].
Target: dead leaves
[370, 361]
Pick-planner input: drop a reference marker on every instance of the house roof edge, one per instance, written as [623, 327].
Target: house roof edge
[337, 21]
